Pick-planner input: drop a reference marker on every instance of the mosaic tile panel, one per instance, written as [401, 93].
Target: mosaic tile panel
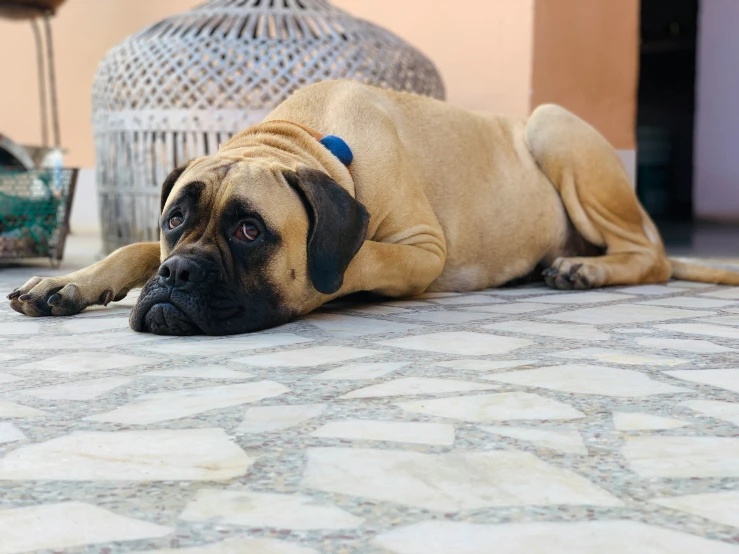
[532, 420]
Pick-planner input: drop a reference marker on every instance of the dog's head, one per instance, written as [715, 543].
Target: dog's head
[247, 245]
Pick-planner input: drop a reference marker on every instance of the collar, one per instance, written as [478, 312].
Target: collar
[336, 145]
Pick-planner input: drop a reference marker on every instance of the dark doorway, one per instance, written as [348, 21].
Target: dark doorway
[666, 109]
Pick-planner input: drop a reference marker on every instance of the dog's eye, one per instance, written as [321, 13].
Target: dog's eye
[176, 220]
[247, 232]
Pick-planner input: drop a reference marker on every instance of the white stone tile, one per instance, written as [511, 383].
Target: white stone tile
[586, 537]
[717, 331]
[689, 302]
[521, 291]
[635, 331]
[722, 378]
[449, 482]
[722, 507]
[111, 310]
[19, 328]
[200, 372]
[460, 343]
[8, 378]
[651, 290]
[82, 362]
[69, 524]
[7, 356]
[569, 442]
[731, 310]
[255, 509]
[689, 285]
[239, 545]
[684, 345]
[432, 295]
[78, 390]
[166, 406]
[557, 330]
[360, 371]
[10, 433]
[726, 411]
[10, 410]
[210, 346]
[682, 457]
[84, 341]
[266, 419]
[89, 325]
[494, 407]
[514, 308]
[308, 357]
[160, 455]
[588, 379]
[589, 297]
[636, 421]
[438, 434]
[378, 310]
[728, 294]
[345, 326]
[619, 357]
[624, 313]
[451, 318]
[417, 385]
[467, 300]
[483, 365]
[407, 304]
[723, 320]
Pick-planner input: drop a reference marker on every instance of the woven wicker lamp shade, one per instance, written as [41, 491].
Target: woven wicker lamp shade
[180, 88]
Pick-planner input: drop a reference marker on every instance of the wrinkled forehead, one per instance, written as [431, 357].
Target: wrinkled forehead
[261, 187]
[221, 185]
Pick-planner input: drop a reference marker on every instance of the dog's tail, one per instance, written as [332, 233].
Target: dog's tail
[702, 274]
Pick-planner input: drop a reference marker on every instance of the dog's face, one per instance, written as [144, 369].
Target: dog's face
[247, 245]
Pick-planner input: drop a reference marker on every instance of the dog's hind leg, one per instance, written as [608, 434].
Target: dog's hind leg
[599, 199]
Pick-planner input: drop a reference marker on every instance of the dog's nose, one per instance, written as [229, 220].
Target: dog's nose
[181, 273]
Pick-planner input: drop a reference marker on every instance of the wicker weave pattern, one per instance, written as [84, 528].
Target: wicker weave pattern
[179, 88]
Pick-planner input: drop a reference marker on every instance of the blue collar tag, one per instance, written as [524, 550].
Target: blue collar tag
[338, 148]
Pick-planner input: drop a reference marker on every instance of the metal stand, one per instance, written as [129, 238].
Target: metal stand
[43, 64]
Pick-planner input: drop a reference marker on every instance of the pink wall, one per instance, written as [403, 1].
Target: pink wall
[716, 188]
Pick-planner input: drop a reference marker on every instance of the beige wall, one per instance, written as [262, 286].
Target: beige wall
[483, 49]
[586, 58]
[84, 31]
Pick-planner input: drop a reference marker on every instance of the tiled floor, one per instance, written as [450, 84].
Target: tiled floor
[518, 421]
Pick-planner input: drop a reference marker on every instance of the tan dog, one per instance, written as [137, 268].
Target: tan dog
[436, 199]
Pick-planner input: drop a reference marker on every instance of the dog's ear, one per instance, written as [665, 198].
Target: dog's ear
[338, 227]
[169, 184]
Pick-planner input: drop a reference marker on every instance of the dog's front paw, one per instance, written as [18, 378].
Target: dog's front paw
[56, 296]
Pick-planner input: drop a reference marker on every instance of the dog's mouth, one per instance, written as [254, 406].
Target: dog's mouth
[167, 319]
[164, 311]
[210, 310]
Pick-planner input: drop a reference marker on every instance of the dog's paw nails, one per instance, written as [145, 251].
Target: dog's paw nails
[54, 300]
[106, 298]
[580, 282]
[551, 272]
[13, 295]
[25, 297]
